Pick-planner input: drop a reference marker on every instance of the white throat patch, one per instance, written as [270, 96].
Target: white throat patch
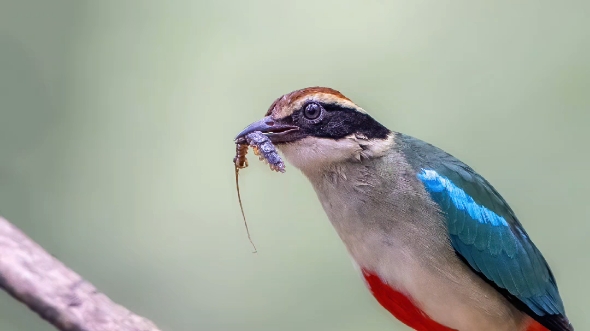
[312, 154]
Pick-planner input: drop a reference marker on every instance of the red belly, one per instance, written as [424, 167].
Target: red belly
[402, 307]
[535, 326]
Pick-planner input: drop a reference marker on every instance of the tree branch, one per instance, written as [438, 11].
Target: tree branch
[55, 292]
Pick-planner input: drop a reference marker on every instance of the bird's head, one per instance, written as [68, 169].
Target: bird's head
[317, 127]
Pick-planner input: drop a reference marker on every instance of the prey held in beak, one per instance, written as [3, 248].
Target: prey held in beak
[258, 136]
[274, 130]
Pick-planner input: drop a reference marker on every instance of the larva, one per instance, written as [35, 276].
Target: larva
[265, 150]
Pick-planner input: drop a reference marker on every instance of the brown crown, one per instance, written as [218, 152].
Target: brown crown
[286, 104]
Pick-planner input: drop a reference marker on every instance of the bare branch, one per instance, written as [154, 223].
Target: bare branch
[56, 293]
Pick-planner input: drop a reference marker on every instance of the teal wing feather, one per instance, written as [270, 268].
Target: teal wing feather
[486, 234]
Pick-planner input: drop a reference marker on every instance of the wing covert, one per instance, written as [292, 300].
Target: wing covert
[486, 234]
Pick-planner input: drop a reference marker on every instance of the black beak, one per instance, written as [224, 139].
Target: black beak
[275, 131]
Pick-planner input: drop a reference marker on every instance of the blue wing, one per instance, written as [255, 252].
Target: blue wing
[485, 233]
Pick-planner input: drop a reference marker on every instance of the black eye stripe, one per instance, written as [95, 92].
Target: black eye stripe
[339, 122]
[333, 108]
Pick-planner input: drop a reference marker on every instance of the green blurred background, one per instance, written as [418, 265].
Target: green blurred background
[117, 121]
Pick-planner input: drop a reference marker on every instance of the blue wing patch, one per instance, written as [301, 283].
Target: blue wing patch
[437, 184]
[493, 245]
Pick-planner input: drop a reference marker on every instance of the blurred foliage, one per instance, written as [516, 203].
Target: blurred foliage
[117, 120]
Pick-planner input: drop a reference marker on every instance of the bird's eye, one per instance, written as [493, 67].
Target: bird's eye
[312, 111]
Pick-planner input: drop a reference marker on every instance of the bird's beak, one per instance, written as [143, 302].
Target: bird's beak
[277, 132]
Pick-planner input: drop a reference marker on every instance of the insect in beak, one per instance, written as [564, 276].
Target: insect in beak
[265, 150]
[274, 130]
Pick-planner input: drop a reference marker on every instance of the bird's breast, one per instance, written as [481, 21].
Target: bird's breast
[395, 234]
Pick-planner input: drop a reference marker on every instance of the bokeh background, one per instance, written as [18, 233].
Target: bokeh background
[117, 121]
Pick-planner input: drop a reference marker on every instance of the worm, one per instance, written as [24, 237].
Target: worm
[265, 151]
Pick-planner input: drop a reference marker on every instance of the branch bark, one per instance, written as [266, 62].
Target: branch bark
[56, 293]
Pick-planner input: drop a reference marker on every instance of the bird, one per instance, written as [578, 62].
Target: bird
[434, 242]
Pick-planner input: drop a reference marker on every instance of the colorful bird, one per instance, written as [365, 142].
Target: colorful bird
[436, 244]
